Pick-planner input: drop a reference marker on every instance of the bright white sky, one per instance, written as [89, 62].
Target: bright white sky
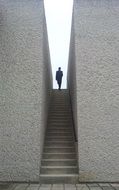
[58, 17]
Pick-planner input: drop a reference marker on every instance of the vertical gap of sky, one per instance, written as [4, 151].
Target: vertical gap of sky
[58, 17]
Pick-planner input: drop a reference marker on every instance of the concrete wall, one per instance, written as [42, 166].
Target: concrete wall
[25, 86]
[96, 88]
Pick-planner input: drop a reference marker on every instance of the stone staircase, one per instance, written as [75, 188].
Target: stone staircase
[59, 160]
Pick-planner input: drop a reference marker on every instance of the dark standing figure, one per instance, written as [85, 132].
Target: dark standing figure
[59, 75]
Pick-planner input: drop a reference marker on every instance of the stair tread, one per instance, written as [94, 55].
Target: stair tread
[59, 175]
[68, 147]
[68, 159]
[57, 153]
[59, 167]
[59, 141]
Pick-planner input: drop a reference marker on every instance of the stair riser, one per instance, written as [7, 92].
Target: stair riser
[59, 163]
[60, 126]
[59, 156]
[59, 144]
[66, 115]
[60, 120]
[59, 147]
[66, 107]
[55, 140]
[59, 180]
[55, 114]
[58, 123]
[59, 150]
[59, 130]
[62, 110]
[59, 134]
[62, 130]
[62, 136]
[59, 170]
[65, 130]
[58, 138]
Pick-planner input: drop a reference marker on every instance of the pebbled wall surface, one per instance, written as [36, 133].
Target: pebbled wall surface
[96, 42]
[25, 87]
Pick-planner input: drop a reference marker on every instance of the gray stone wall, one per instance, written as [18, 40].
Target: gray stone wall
[96, 27]
[25, 79]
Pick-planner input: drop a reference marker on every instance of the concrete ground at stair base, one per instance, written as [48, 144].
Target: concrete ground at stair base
[84, 186]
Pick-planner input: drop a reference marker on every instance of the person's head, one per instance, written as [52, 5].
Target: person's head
[59, 68]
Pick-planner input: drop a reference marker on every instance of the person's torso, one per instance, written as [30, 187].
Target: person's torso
[59, 74]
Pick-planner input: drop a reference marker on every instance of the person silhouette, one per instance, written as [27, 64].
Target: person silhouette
[59, 75]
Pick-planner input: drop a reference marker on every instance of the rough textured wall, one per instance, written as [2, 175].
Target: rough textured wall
[23, 99]
[96, 26]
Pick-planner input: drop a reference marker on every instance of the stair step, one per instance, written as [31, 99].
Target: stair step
[59, 139]
[59, 167]
[59, 170]
[57, 156]
[61, 130]
[59, 143]
[59, 122]
[59, 135]
[61, 113]
[58, 150]
[56, 114]
[63, 110]
[56, 122]
[60, 119]
[56, 106]
[60, 159]
[58, 147]
[59, 178]
[60, 125]
[59, 162]
[63, 107]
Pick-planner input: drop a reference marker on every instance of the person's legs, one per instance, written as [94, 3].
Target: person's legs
[59, 83]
